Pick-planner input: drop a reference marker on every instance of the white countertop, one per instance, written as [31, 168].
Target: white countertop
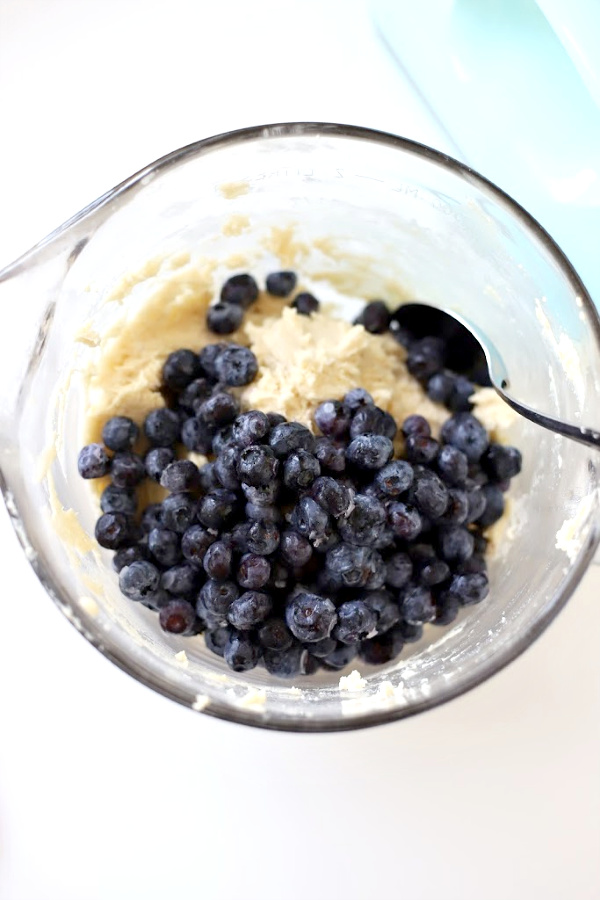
[110, 792]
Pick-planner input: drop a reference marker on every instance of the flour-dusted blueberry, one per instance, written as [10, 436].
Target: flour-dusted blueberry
[165, 546]
[116, 499]
[197, 435]
[285, 663]
[289, 436]
[455, 543]
[310, 617]
[368, 420]
[300, 470]
[220, 409]
[500, 462]
[260, 513]
[222, 439]
[416, 604]
[351, 566]
[356, 621]
[398, 570]
[342, 656]
[335, 497]
[332, 418]
[249, 428]
[452, 465]
[177, 617]
[385, 607]
[447, 607]
[236, 366]
[181, 579]
[127, 469]
[357, 398]
[179, 512]
[253, 572]
[494, 505]
[331, 455]
[305, 304]
[404, 520]
[464, 431]
[249, 610]
[93, 461]
[208, 358]
[217, 560]
[439, 386]
[416, 424]
[294, 548]
[383, 648]
[425, 357]
[434, 572]
[241, 652]
[114, 530]
[429, 493]
[224, 318]
[370, 451]
[120, 433]
[216, 597]
[225, 468]
[421, 449]
[195, 541]
[151, 518]
[240, 289]
[281, 284]
[127, 555]
[194, 395]
[375, 317]
[139, 580]
[216, 639]
[257, 465]
[261, 495]
[181, 475]
[217, 508]
[156, 461]
[262, 538]
[275, 419]
[395, 478]
[162, 427]
[365, 522]
[180, 368]
[457, 510]
[471, 588]
[309, 519]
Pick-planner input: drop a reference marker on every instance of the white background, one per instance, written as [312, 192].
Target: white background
[108, 792]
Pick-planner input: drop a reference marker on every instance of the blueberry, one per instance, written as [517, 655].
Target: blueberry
[386, 610]
[375, 317]
[181, 475]
[93, 461]
[242, 290]
[128, 555]
[371, 420]
[364, 524]
[470, 588]
[262, 538]
[399, 569]
[356, 621]
[225, 469]
[447, 607]
[151, 517]
[460, 395]
[120, 433]
[216, 640]
[275, 419]
[162, 427]
[395, 478]
[194, 395]
[180, 368]
[439, 386]
[370, 451]
[165, 546]
[452, 465]
[455, 543]
[114, 530]
[197, 435]
[216, 597]
[257, 465]
[127, 469]
[177, 617]
[416, 424]
[250, 428]
[322, 648]
[300, 470]
[421, 449]
[224, 318]
[457, 510]
[499, 462]
[429, 493]
[118, 500]
[220, 409]
[310, 617]
[253, 572]
[341, 656]
[289, 436]
[217, 561]
[280, 576]
[239, 537]
[434, 572]
[139, 580]
[281, 284]
[330, 455]
[474, 565]
[294, 548]
[425, 357]
[195, 541]
[416, 604]
[236, 366]
[305, 304]
[494, 505]
[241, 652]
[383, 648]
[217, 508]
[208, 357]
[249, 609]
[181, 579]
[262, 495]
[259, 513]
[285, 663]
[404, 520]
[179, 512]
[309, 519]
[336, 498]
[462, 430]
[332, 418]
[156, 461]
[356, 399]
[222, 440]
[411, 632]
[351, 566]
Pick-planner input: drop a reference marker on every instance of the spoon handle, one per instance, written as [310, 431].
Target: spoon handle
[587, 436]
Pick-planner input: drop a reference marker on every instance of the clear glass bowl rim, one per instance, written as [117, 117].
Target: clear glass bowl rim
[307, 129]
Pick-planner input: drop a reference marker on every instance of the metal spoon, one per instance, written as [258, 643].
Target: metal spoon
[474, 355]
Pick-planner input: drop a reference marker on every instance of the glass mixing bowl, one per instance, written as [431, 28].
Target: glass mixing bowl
[373, 215]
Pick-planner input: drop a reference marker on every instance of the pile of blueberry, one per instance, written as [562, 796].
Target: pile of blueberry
[292, 549]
